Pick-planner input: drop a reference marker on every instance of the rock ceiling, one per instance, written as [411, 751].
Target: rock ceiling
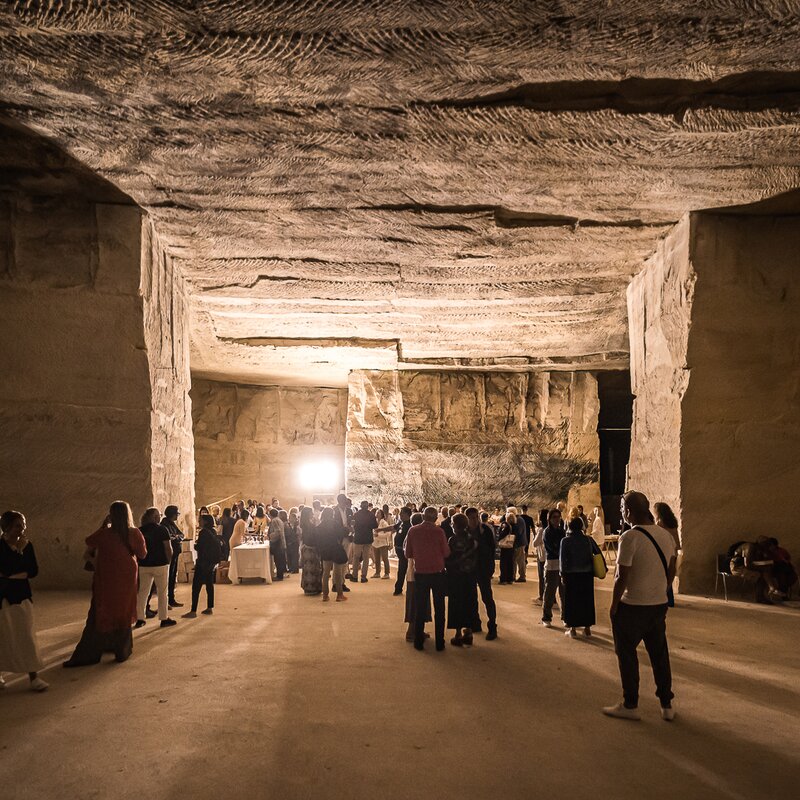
[362, 184]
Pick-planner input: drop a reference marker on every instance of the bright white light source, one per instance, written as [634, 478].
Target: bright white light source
[319, 476]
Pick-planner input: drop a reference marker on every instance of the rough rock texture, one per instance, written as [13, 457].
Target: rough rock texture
[659, 315]
[166, 336]
[84, 418]
[377, 185]
[471, 436]
[717, 409]
[252, 440]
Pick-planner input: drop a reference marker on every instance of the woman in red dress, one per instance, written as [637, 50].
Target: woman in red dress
[112, 550]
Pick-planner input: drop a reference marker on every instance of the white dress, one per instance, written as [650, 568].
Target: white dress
[18, 648]
[599, 531]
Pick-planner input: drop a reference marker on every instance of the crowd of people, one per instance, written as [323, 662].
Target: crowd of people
[445, 560]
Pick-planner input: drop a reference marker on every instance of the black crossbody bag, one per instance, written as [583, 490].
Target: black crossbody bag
[670, 598]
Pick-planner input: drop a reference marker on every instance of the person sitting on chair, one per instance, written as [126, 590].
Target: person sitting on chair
[752, 561]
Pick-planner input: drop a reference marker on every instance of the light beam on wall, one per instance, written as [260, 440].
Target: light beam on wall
[320, 476]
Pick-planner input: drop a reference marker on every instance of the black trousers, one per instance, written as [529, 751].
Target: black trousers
[293, 557]
[506, 565]
[632, 625]
[485, 588]
[424, 585]
[279, 555]
[203, 576]
[402, 569]
[173, 574]
[540, 565]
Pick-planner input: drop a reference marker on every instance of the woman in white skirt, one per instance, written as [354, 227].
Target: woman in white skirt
[18, 649]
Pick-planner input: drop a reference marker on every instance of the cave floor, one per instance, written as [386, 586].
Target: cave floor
[280, 695]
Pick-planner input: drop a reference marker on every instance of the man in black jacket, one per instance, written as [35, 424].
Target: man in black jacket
[170, 522]
[486, 553]
[364, 524]
[399, 544]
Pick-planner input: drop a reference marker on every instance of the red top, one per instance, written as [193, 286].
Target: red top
[115, 577]
[427, 545]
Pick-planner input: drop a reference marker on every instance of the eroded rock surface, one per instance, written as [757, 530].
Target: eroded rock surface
[94, 403]
[253, 440]
[715, 359]
[473, 437]
[363, 185]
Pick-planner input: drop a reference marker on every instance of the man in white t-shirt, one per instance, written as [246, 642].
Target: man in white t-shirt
[639, 605]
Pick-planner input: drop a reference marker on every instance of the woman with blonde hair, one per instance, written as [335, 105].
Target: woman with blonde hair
[598, 526]
[111, 553]
[575, 513]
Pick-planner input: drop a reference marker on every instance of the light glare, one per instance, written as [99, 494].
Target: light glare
[319, 476]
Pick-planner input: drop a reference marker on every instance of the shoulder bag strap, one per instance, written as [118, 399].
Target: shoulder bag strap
[658, 550]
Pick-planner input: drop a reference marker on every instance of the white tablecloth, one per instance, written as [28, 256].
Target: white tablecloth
[250, 561]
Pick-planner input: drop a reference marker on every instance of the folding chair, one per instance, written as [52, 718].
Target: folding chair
[724, 572]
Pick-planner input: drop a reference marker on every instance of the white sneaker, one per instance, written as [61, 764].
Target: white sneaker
[668, 714]
[620, 712]
[38, 685]
[547, 624]
[570, 632]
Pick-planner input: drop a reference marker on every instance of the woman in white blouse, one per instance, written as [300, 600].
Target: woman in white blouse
[598, 526]
[381, 542]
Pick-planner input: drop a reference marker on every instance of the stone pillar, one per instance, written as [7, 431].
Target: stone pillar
[94, 395]
[472, 436]
[715, 354]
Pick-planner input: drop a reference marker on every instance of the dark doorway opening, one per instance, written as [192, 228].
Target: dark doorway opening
[614, 430]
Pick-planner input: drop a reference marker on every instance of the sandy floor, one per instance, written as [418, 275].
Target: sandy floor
[280, 695]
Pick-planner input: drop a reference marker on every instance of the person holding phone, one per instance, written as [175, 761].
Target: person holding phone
[113, 550]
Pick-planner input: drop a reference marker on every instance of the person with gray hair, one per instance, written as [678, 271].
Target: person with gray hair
[645, 571]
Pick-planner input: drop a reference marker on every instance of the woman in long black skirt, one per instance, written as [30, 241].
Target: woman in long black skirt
[577, 577]
[462, 581]
[506, 531]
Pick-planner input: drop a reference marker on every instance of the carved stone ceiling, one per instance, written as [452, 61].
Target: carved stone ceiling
[362, 184]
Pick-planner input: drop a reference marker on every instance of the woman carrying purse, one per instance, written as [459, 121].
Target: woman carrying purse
[506, 536]
[576, 564]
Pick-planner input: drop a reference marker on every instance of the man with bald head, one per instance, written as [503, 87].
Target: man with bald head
[427, 545]
[645, 571]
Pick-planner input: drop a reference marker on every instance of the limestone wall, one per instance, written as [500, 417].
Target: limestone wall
[166, 332]
[741, 417]
[659, 311]
[75, 402]
[254, 439]
[715, 354]
[472, 436]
